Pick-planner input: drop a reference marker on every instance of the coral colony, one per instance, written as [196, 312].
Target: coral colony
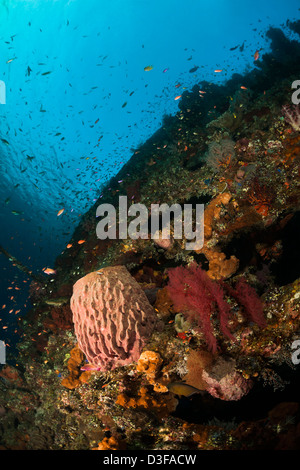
[173, 314]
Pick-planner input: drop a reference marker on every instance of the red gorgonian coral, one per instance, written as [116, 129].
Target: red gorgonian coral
[199, 297]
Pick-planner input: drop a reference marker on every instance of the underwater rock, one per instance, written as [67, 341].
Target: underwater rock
[112, 317]
[197, 361]
[224, 382]
[280, 412]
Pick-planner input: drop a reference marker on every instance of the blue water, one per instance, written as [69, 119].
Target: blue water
[66, 133]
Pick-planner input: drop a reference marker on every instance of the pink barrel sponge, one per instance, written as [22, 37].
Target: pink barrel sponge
[112, 316]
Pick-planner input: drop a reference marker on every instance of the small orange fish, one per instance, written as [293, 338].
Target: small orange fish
[49, 271]
[80, 242]
[69, 245]
[244, 88]
[218, 70]
[256, 55]
[60, 212]
[177, 97]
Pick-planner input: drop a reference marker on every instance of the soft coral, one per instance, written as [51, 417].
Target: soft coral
[192, 291]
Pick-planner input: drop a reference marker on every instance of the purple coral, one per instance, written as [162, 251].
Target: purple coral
[292, 116]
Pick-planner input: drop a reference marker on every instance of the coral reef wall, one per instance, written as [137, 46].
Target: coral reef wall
[119, 353]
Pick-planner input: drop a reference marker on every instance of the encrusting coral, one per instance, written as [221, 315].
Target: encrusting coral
[160, 405]
[76, 377]
[219, 266]
[149, 363]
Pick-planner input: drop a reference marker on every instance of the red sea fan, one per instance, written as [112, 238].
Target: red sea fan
[246, 296]
[199, 297]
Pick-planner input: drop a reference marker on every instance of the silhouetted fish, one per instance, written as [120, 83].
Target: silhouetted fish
[183, 389]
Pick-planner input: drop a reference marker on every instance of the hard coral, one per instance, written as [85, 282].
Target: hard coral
[112, 317]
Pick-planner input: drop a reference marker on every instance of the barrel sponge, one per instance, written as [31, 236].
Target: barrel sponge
[112, 317]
